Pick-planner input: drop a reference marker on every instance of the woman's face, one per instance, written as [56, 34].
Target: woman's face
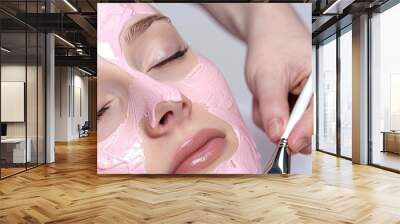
[187, 138]
[164, 108]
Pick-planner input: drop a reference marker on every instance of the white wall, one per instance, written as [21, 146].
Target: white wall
[79, 117]
[16, 72]
[61, 103]
[33, 126]
[69, 82]
[12, 101]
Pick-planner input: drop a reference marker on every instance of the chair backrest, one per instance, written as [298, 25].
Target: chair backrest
[86, 125]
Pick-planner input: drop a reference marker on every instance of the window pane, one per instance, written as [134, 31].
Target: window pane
[31, 97]
[327, 96]
[346, 94]
[22, 88]
[386, 88]
[41, 98]
[13, 86]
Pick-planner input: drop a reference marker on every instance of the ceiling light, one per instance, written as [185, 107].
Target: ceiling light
[337, 7]
[79, 51]
[5, 50]
[326, 11]
[84, 71]
[65, 41]
[70, 5]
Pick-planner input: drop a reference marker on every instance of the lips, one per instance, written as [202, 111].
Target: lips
[199, 151]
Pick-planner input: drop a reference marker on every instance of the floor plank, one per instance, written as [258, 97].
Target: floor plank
[70, 191]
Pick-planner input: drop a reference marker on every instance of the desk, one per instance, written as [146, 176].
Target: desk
[16, 148]
[391, 141]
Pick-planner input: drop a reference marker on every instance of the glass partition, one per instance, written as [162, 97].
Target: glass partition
[346, 92]
[32, 86]
[385, 89]
[41, 88]
[14, 153]
[22, 77]
[31, 99]
[327, 96]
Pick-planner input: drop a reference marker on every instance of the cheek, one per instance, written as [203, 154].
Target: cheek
[159, 153]
[207, 86]
[219, 123]
[112, 118]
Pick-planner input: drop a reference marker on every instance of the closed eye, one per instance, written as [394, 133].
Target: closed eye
[176, 55]
[102, 110]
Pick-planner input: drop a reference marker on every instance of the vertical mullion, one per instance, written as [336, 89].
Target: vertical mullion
[26, 86]
[73, 92]
[338, 76]
[0, 94]
[69, 92]
[61, 74]
[317, 96]
[45, 87]
[37, 88]
[369, 79]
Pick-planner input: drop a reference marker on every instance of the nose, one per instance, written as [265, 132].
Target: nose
[169, 115]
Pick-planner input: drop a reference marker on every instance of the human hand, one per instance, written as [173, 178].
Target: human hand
[277, 68]
[278, 64]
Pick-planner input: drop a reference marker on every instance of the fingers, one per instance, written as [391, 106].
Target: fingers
[300, 137]
[272, 93]
[256, 114]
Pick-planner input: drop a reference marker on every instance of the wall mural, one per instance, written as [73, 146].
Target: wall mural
[164, 108]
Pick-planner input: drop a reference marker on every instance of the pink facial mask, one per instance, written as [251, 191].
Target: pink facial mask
[122, 151]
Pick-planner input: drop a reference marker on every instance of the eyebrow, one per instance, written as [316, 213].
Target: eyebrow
[134, 30]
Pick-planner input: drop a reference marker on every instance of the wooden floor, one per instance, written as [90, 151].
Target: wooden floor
[10, 171]
[5, 172]
[70, 191]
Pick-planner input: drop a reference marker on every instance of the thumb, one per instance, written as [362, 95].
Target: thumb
[272, 92]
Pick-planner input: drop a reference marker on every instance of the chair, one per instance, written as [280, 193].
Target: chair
[84, 130]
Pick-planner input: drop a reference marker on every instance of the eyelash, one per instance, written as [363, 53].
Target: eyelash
[176, 55]
[102, 110]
